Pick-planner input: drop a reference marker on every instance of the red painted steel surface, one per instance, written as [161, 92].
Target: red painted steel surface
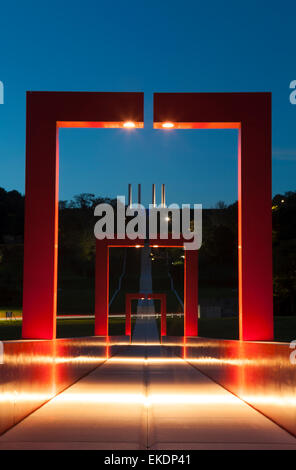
[101, 289]
[128, 311]
[190, 292]
[250, 113]
[46, 112]
[156, 242]
[102, 277]
[35, 371]
[260, 373]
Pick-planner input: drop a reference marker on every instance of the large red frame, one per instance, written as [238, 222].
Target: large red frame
[47, 112]
[102, 280]
[128, 310]
[249, 113]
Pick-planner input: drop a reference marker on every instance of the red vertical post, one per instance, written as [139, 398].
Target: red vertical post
[255, 228]
[102, 288]
[190, 292]
[128, 312]
[163, 315]
[41, 227]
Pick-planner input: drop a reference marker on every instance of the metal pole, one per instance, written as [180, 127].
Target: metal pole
[139, 194]
[129, 195]
[153, 196]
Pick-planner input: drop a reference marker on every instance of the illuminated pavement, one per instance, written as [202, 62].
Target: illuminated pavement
[146, 398]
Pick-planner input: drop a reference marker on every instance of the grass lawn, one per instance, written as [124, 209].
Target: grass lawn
[16, 311]
[224, 328]
[72, 328]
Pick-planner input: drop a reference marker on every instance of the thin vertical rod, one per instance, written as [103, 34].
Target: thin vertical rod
[163, 195]
[129, 195]
[153, 196]
[139, 194]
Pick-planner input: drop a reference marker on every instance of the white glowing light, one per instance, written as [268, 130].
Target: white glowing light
[168, 125]
[129, 124]
[148, 400]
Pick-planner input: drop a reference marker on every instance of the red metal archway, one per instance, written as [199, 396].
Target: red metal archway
[249, 113]
[102, 280]
[47, 112]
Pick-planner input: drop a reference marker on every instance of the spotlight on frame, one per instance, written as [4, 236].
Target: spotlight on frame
[129, 125]
[168, 125]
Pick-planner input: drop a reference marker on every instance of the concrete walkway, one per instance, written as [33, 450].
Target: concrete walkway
[145, 331]
[145, 398]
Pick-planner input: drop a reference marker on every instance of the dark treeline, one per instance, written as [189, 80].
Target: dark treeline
[217, 259]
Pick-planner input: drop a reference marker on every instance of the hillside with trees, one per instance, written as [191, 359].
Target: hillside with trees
[217, 257]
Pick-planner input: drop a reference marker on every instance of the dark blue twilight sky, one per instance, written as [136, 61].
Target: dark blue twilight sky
[150, 46]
